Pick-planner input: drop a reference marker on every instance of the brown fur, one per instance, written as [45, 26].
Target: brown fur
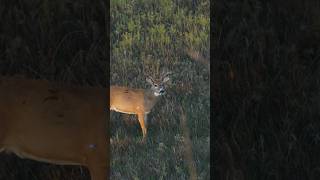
[137, 101]
[54, 123]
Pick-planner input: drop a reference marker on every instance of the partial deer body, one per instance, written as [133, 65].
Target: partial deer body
[57, 124]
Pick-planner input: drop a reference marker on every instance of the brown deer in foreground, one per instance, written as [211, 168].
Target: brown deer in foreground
[57, 124]
[138, 101]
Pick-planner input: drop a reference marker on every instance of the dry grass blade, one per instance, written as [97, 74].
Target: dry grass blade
[165, 74]
[188, 145]
[197, 56]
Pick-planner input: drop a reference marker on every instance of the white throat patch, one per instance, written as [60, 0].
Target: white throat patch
[157, 94]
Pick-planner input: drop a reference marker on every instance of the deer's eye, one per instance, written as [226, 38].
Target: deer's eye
[156, 85]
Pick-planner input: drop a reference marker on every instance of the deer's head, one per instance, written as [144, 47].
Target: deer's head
[158, 85]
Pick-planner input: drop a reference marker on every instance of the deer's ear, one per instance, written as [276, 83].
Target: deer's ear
[149, 80]
[165, 79]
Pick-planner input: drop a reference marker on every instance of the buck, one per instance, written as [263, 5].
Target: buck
[55, 123]
[138, 101]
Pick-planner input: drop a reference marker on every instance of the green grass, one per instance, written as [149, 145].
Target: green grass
[162, 157]
[148, 37]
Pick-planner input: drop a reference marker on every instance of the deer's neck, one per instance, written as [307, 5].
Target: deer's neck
[150, 99]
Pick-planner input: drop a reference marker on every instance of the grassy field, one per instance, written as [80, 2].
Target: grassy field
[266, 90]
[148, 37]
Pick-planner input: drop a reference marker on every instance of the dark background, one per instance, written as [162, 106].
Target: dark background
[61, 40]
[266, 96]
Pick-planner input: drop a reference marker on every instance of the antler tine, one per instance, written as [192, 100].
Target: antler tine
[165, 74]
[147, 75]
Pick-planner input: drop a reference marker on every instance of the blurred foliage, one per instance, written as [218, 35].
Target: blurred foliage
[266, 90]
[55, 40]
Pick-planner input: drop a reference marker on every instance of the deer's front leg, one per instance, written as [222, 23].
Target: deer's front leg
[141, 117]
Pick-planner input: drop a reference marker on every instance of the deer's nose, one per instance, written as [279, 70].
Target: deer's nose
[161, 91]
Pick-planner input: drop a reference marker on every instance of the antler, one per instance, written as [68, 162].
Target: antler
[165, 74]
